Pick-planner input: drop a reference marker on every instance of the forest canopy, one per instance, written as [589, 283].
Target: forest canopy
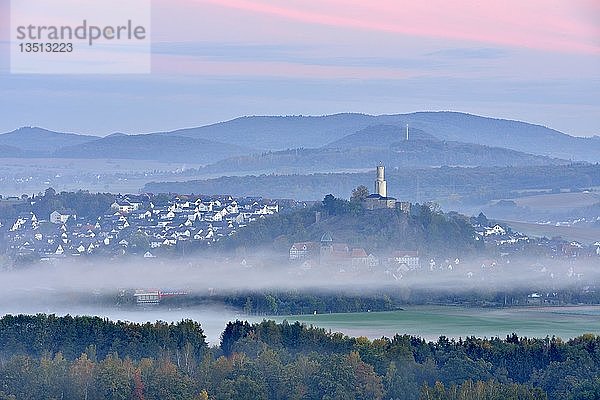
[49, 357]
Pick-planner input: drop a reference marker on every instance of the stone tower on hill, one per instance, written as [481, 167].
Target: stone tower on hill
[380, 184]
[379, 199]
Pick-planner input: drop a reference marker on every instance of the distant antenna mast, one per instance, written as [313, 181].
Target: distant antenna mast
[407, 132]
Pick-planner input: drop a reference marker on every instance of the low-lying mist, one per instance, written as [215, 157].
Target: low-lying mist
[258, 273]
[105, 288]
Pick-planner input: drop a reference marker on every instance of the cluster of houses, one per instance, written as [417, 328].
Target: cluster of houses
[134, 224]
[497, 235]
[397, 264]
[509, 241]
[327, 252]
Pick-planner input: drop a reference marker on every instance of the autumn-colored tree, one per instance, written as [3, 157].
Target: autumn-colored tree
[138, 386]
[113, 380]
[82, 376]
[367, 383]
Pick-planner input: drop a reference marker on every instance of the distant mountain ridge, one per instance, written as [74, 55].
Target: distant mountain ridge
[245, 136]
[153, 147]
[281, 132]
[277, 133]
[38, 141]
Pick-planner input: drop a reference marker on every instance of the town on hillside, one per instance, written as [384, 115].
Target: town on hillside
[141, 225]
[502, 243]
[150, 227]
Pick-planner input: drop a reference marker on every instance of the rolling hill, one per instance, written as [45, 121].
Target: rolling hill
[153, 147]
[35, 142]
[343, 131]
[379, 136]
[281, 132]
[373, 145]
[516, 135]
[277, 133]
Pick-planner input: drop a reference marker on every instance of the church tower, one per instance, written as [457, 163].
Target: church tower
[380, 184]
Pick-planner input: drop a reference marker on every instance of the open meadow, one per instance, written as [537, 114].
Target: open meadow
[430, 322]
[582, 233]
[558, 201]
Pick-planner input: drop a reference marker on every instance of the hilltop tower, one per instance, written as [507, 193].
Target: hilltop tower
[380, 184]
[379, 199]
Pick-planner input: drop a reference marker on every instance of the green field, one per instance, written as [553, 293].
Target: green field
[558, 201]
[584, 234]
[430, 322]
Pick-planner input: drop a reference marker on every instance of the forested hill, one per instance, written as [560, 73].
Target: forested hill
[516, 135]
[34, 141]
[425, 229]
[48, 357]
[364, 152]
[153, 147]
[379, 136]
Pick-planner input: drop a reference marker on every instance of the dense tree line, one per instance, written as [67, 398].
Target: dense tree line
[281, 361]
[359, 298]
[394, 297]
[267, 230]
[445, 184]
[84, 203]
[72, 336]
[296, 302]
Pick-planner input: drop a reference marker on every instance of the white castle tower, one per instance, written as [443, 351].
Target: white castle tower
[380, 184]
[380, 199]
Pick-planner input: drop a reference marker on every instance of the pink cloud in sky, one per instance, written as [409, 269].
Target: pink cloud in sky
[569, 26]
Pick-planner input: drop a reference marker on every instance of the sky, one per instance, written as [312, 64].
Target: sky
[213, 60]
